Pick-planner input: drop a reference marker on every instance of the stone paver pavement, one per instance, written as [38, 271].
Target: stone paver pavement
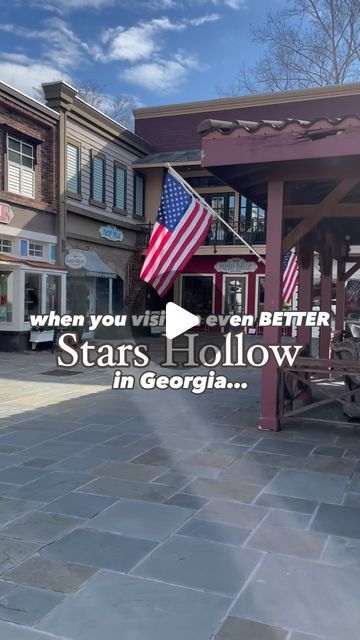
[157, 515]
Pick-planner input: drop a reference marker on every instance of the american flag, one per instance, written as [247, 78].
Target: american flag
[290, 276]
[181, 225]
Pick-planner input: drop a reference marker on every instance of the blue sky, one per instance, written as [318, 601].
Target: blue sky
[160, 51]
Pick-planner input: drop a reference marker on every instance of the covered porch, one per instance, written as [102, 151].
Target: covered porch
[305, 174]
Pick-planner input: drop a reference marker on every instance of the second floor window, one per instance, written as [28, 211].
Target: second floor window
[21, 167]
[72, 168]
[139, 186]
[5, 245]
[35, 250]
[119, 187]
[98, 179]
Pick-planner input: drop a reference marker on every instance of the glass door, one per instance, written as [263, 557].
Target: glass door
[235, 295]
[224, 205]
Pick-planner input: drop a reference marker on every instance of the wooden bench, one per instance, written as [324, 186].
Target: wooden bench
[348, 350]
[297, 383]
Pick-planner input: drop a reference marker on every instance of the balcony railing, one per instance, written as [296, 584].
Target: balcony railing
[218, 234]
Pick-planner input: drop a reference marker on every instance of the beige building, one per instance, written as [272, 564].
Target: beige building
[101, 202]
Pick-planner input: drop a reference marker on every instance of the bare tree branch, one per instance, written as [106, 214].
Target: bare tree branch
[309, 43]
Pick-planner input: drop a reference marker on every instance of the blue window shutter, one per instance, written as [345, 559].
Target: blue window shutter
[53, 252]
[23, 247]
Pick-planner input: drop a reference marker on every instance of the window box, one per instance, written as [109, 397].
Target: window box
[96, 203]
[41, 335]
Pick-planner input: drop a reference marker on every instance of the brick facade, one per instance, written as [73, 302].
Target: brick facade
[21, 123]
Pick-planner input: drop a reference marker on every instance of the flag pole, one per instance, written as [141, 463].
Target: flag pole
[215, 214]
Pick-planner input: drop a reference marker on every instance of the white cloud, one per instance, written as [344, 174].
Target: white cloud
[160, 75]
[18, 58]
[60, 52]
[138, 42]
[61, 46]
[28, 76]
[233, 4]
[211, 17]
[64, 6]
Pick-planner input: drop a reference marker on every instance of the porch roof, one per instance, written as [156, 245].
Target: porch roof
[189, 156]
[311, 158]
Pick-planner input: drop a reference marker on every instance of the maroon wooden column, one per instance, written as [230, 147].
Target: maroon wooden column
[305, 290]
[340, 296]
[268, 419]
[325, 300]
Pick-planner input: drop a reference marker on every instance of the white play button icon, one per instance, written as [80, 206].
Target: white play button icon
[178, 320]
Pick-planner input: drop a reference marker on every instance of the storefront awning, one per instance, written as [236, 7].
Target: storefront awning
[93, 266]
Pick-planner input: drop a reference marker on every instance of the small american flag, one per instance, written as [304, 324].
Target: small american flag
[290, 276]
[181, 225]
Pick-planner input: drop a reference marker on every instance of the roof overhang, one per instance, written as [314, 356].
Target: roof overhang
[10, 261]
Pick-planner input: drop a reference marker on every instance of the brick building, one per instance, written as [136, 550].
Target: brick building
[31, 279]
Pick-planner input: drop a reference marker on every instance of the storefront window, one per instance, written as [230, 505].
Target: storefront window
[32, 295]
[6, 296]
[80, 295]
[52, 284]
[197, 294]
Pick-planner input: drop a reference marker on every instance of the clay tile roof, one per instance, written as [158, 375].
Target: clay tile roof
[225, 127]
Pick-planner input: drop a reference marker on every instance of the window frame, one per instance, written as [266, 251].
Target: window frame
[17, 136]
[72, 194]
[123, 167]
[9, 315]
[135, 215]
[92, 201]
[9, 240]
[35, 254]
[40, 296]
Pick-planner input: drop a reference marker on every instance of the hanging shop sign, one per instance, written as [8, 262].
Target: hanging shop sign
[75, 260]
[236, 265]
[6, 213]
[111, 233]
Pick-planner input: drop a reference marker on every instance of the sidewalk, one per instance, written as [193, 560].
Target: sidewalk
[155, 515]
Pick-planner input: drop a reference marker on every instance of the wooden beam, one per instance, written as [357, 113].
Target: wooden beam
[345, 210]
[350, 272]
[319, 212]
[340, 296]
[240, 149]
[268, 419]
